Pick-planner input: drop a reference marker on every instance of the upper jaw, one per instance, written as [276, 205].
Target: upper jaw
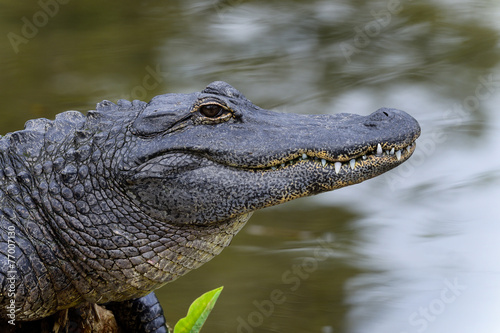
[267, 140]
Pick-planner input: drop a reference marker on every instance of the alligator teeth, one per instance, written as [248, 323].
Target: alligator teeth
[352, 163]
[398, 154]
[338, 165]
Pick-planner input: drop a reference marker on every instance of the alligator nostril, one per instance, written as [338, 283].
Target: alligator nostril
[381, 115]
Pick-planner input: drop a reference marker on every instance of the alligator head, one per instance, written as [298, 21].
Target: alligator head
[207, 157]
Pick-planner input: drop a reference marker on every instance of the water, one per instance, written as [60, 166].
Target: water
[415, 250]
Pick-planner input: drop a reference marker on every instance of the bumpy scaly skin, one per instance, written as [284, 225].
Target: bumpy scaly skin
[110, 206]
[76, 236]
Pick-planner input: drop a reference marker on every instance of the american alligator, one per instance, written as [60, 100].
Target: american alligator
[106, 207]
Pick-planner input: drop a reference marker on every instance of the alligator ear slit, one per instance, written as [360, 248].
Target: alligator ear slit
[159, 121]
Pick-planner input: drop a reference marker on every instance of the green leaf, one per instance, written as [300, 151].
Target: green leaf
[198, 312]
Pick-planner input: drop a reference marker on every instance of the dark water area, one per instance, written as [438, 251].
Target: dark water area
[414, 250]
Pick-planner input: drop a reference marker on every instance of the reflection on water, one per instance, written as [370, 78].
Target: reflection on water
[415, 250]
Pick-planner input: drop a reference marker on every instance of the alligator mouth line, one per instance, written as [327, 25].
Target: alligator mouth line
[378, 152]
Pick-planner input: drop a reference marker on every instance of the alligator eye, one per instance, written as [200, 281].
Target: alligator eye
[211, 110]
